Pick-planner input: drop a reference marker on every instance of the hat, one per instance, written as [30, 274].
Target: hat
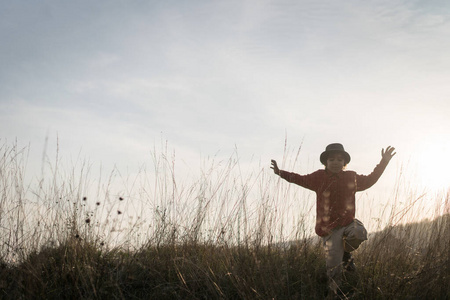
[336, 147]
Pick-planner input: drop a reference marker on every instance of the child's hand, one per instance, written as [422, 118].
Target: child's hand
[275, 167]
[388, 154]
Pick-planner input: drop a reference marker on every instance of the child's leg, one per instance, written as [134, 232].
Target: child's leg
[334, 251]
[354, 235]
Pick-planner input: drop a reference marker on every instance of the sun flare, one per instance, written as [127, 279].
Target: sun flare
[433, 165]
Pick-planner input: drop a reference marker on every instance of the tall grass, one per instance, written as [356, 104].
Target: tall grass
[225, 233]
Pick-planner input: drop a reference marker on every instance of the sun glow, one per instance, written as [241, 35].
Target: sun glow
[433, 165]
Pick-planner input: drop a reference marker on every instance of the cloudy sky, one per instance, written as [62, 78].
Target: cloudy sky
[112, 79]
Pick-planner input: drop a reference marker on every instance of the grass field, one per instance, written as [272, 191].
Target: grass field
[220, 236]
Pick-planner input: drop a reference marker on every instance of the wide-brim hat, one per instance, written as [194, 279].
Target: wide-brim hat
[333, 148]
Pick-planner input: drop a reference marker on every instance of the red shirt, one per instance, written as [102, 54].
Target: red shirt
[335, 194]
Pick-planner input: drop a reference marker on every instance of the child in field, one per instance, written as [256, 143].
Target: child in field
[335, 189]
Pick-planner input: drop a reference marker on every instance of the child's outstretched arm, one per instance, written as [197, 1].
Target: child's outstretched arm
[366, 181]
[275, 168]
[307, 181]
[388, 154]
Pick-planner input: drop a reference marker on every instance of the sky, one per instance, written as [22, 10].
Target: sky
[111, 81]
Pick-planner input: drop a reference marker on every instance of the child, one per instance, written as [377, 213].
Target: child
[335, 208]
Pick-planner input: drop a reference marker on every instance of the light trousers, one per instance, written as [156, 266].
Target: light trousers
[347, 238]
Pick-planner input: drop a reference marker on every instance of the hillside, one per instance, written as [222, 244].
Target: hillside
[403, 262]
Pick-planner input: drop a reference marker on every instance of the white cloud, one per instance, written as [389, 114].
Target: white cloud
[211, 75]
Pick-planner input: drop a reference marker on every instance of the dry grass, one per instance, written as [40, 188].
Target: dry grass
[215, 238]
